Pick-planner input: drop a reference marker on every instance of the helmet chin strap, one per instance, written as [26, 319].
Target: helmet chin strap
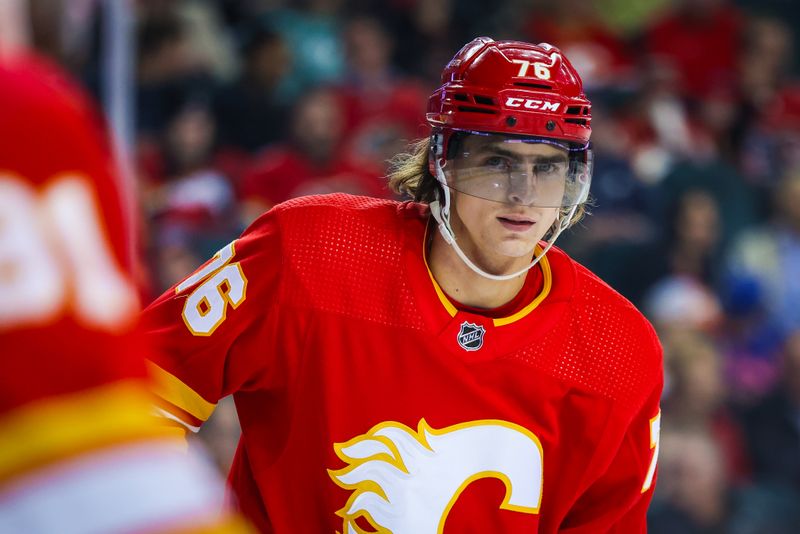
[441, 212]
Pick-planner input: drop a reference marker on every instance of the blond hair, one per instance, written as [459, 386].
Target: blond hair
[409, 175]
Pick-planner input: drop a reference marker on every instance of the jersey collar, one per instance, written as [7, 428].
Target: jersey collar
[452, 310]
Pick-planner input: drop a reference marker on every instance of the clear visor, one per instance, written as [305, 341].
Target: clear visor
[530, 171]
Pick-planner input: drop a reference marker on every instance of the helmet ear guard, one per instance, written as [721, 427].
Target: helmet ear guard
[436, 150]
[444, 143]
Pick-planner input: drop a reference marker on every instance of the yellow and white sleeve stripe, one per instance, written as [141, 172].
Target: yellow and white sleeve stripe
[180, 402]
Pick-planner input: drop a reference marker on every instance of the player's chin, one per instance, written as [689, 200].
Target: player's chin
[517, 248]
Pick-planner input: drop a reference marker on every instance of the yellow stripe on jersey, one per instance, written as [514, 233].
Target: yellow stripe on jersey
[547, 283]
[452, 310]
[173, 390]
[58, 427]
[227, 525]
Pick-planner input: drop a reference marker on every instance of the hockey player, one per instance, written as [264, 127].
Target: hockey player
[436, 365]
[80, 451]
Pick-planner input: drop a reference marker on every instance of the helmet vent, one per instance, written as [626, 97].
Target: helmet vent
[579, 122]
[534, 85]
[461, 96]
[574, 110]
[485, 100]
[478, 110]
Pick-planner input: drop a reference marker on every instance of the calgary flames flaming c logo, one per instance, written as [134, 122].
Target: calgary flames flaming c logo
[406, 482]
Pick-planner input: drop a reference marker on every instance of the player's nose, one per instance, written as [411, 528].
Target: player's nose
[522, 188]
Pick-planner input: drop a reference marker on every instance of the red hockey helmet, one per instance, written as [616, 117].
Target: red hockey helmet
[515, 92]
[514, 88]
[509, 92]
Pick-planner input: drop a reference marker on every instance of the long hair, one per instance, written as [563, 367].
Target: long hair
[409, 175]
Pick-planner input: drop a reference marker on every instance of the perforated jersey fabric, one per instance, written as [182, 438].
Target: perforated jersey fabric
[599, 342]
[343, 260]
[367, 401]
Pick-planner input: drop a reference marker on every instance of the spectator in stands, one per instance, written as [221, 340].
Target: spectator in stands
[692, 495]
[168, 71]
[581, 33]
[697, 398]
[768, 135]
[770, 256]
[774, 425]
[382, 107]
[749, 342]
[680, 267]
[191, 204]
[312, 30]
[310, 162]
[700, 39]
[247, 111]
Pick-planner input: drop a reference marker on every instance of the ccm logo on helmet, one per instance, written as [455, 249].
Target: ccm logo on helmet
[532, 103]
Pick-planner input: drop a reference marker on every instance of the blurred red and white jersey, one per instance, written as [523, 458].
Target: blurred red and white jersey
[79, 448]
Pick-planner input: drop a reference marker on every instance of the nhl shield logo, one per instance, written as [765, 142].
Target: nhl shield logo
[470, 337]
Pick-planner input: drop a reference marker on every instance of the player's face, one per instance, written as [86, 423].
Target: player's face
[504, 234]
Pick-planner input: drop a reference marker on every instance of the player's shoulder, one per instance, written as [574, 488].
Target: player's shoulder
[593, 293]
[337, 216]
[618, 347]
[39, 87]
[344, 253]
[339, 228]
[43, 104]
[341, 204]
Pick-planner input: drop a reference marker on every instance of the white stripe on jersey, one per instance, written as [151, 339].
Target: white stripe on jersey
[131, 488]
[160, 412]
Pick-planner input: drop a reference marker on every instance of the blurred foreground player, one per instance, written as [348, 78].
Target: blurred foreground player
[80, 451]
[431, 366]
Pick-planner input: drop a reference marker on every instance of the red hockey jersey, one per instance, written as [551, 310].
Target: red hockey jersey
[79, 448]
[369, 402]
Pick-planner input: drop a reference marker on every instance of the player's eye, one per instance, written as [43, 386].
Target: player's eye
[548, 169]
[497, 163]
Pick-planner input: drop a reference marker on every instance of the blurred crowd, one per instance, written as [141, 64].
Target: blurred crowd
[242, 104]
